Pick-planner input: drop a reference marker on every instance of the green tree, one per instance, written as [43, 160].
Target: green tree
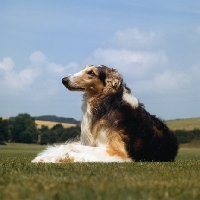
[43, 129]
[70, 133]
[58, 130]
[57, 134]
[48, 137]
[23, 129]
[187, 136]
[4, 131]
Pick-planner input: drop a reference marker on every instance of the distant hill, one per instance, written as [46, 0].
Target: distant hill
[184, 124]
[54, 118]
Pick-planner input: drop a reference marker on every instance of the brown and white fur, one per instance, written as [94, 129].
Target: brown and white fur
[115, 127]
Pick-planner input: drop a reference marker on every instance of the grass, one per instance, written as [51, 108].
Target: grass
[184, 124]
[20, 179]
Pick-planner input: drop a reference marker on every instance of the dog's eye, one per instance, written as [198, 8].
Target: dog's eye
[91, 73]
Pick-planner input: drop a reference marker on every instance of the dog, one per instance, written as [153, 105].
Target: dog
[115, 126]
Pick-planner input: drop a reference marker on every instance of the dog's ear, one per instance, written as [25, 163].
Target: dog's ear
[113, 80]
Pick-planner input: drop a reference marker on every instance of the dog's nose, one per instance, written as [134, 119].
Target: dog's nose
[64, 81]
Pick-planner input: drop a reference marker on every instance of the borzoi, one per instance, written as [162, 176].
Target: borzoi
[115, 126]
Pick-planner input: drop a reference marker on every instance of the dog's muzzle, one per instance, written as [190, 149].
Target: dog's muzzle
[70, 86]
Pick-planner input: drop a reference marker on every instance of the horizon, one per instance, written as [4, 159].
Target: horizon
[80, 119]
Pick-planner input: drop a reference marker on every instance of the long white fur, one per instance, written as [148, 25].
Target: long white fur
[75, 152]
[86, 124]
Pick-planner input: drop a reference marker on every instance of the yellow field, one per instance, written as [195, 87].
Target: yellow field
[184, 124]
[51, 124]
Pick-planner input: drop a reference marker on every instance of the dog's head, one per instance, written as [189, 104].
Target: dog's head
[94, 79]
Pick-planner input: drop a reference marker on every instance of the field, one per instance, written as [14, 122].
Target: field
[51, 124]
[20, 179]
[184, 124]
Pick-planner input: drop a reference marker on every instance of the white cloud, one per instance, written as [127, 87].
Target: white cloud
[170, 80]
[12, 79]
[125, 60]
[27, 76]
[40, 78]
[127, 57]
[58, 69]
[134, 53]
[38, 58]
[7, 64]
[164, 83]
[135, 39]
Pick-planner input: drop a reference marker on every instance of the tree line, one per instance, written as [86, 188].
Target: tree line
[23, 129]
[187, 136]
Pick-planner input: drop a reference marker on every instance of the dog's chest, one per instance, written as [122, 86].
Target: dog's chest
[97, 138]
[86, 125]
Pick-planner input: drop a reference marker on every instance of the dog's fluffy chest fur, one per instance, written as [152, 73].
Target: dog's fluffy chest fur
[86, 125]
[88, 137]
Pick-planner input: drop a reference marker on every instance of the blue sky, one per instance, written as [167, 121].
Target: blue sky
[155, 45]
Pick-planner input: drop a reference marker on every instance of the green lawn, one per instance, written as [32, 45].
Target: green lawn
[20, 179]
